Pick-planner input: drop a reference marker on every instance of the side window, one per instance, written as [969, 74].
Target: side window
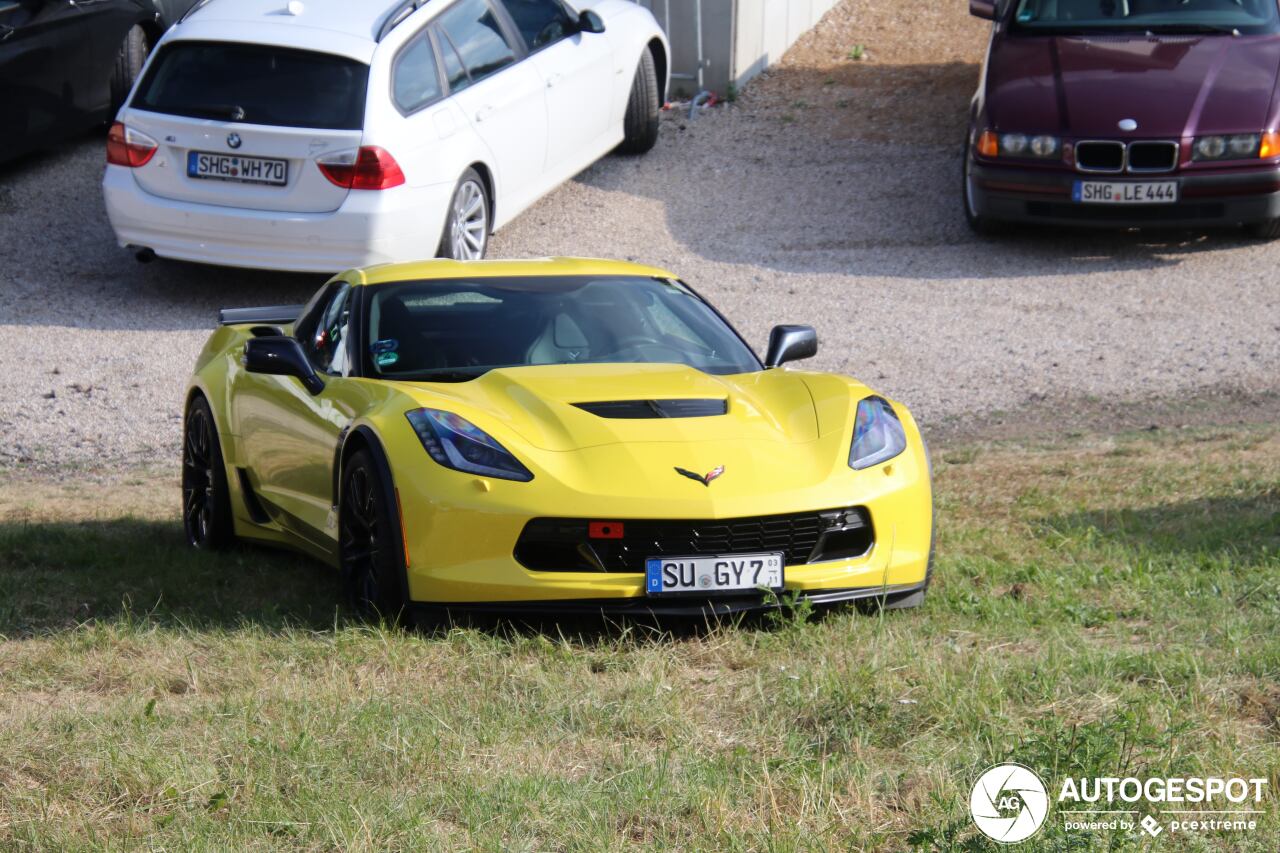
[540, 22]
[474, 30]
[327, 343]
[454, 73]
[415, 79]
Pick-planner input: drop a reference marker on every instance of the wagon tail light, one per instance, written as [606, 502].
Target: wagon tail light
[366, 168]
[129, 147]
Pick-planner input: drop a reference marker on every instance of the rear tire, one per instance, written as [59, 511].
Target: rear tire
[129, 62]
[466, 226]
[640, 125]
[206, 500]
[1268, 229]
[369, 542]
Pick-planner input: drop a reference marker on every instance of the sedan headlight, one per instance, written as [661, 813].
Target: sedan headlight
[1239, 146]
[457, 443]
[1042, 146]
[877, 434]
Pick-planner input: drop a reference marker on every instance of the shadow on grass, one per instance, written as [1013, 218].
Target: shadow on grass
[54, 576]
[1244, 529]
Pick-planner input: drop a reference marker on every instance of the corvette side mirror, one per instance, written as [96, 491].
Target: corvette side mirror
[985, 9]
[590, 22]
[278, 355]
[790, 343]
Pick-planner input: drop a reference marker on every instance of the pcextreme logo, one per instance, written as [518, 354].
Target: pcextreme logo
[1010, 803]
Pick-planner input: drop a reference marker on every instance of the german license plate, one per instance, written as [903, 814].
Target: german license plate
[668, 575]
[1125, 192]
[234, 167]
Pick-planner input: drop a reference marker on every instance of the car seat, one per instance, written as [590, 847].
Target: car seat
[561, 342]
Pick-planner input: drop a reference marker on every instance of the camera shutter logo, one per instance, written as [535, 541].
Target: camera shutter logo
[1009, 803]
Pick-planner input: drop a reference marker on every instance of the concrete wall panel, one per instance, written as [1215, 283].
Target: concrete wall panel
[740, 38]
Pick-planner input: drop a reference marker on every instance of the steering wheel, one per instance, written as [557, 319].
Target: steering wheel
[639, 342]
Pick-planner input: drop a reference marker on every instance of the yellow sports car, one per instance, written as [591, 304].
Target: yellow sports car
[556, 435]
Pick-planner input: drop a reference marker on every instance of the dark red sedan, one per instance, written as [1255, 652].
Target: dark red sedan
[1127, 113]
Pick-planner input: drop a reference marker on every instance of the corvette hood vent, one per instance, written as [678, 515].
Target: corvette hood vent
[637, 409]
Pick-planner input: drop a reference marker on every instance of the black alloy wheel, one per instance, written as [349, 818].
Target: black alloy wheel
[369, 543]
[206, 503]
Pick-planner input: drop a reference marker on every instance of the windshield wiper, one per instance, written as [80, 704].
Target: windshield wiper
[1192, 28]
[442, 375]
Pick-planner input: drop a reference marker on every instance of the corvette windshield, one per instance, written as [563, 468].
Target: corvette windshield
[455, 330]
[1155, 16]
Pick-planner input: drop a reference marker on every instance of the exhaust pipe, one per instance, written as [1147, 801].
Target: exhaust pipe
[145, 255]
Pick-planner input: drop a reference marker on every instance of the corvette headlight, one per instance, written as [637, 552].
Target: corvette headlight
[1240, 146]
[457, 443]
[877, 434]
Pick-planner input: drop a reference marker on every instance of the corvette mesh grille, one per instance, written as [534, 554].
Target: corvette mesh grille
[566, 544]
[637, 409]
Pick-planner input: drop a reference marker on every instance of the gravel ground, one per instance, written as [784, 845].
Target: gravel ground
[827, 194]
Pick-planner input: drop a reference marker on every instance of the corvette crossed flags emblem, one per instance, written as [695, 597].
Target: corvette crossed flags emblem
[703, 479]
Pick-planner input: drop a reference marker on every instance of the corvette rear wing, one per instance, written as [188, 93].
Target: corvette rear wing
[273, 315]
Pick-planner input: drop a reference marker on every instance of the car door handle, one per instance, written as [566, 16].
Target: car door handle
[553, 80]
[484, 112]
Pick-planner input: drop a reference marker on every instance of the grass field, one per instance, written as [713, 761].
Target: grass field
[1103, 606]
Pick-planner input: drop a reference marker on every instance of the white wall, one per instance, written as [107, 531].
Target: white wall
[764, 29]
[740, 38]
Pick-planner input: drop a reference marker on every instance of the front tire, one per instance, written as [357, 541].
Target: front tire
[129, 61]
[978, 224]
[640, 125]
[466, 227]
[369, 541]
[206, 500]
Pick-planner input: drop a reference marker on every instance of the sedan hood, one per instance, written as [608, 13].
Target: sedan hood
[1172, 86]
[572, 407]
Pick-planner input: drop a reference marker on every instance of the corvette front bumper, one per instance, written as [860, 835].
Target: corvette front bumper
[461, 552]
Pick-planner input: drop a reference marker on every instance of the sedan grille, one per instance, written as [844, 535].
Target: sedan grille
[1112, 157]
[1153, 156]
[567, 545]
[1100, 156]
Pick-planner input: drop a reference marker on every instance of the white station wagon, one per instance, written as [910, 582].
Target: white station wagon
[318, 135]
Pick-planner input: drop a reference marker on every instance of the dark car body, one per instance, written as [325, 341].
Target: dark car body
[1136, 110]
[64, 66]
